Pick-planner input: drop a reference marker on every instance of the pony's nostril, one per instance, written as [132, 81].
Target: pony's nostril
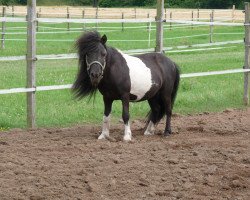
[94, 75]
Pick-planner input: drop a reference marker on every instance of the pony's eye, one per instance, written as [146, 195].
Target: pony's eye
[103, 54]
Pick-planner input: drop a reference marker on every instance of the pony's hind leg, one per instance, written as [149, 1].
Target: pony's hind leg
[106, 118]
[168, 109]
[125, 117]
[153, 116]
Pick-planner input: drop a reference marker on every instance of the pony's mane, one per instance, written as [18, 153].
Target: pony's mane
[88, 42]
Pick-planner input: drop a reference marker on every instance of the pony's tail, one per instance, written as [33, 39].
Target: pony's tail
[176, 85]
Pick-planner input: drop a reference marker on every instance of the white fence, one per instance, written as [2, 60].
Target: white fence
[31, 57]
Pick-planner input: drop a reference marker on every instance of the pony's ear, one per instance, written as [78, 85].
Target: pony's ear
[104, 39]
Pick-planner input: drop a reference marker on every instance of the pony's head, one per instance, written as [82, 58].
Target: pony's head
[92, 54]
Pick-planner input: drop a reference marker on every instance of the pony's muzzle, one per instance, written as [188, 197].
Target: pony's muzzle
[95, 78]
[95, 75]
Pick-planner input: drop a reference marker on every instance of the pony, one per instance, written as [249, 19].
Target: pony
[118, 76]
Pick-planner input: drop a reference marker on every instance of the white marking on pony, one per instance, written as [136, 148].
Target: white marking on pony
[127, 132]
[150, 129]
[140, 76]
[105, 127]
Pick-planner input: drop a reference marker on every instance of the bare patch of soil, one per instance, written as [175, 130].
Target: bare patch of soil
[207, 157]
[116, 13]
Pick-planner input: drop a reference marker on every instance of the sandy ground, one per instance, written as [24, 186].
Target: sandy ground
[207, 157]
[89, 12]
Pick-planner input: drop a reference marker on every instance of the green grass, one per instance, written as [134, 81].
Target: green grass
[58, 108]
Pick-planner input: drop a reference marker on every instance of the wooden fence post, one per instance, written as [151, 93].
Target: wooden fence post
[83, 16]
[122, 22]
[171, 16]
[159, 26]
[233, 13]
[198, 14]
[37, 23]
[13, 11]
[148, 22]
[192, 19]
[135, 12]
[31, 62]
[211, 27]
[247, 53]
[3, 29]
[96, 16]
[68, 26]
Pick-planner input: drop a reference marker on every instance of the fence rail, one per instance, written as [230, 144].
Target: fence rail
[68, 86]
[132, 51]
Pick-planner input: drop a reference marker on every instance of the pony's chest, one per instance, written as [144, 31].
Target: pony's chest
[140, 76]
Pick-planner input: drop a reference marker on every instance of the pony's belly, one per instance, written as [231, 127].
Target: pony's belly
[140, 77]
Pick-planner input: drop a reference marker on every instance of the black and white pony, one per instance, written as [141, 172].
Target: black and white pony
[118, 76]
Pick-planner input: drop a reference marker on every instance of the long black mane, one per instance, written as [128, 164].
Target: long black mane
[88, 42]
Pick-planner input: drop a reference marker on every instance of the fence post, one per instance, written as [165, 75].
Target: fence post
[198, 14]
[148, 22]
[233, 13]
[135, 12]
[170, 24]
[159, 26]
[13, 11]
[68, 26]
[83, 16]
[96, 16]
[122, 22]
[37, 23]
[165, 13]
[3, 29]
[211, 27]
[31, 62]
[247, 53]
[149, 35]
[192, 19]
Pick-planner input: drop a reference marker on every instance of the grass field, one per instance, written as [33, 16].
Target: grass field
[58, 108]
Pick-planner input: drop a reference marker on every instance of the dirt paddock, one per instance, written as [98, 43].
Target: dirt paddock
[207, 157]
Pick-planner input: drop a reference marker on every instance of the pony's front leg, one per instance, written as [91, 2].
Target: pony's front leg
[106, 118]
[125, 117]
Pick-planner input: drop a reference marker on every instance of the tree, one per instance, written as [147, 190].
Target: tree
[95, 3]
[6, 2]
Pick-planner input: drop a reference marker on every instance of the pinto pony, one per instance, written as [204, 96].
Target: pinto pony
[118, 76]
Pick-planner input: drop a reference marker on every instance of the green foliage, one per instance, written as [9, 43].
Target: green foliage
[6, 2]
[80, 2]
[126, 3]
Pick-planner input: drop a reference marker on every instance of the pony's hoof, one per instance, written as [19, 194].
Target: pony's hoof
[167, 134]
[127, 138]
[102, 136]
[148, 133]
